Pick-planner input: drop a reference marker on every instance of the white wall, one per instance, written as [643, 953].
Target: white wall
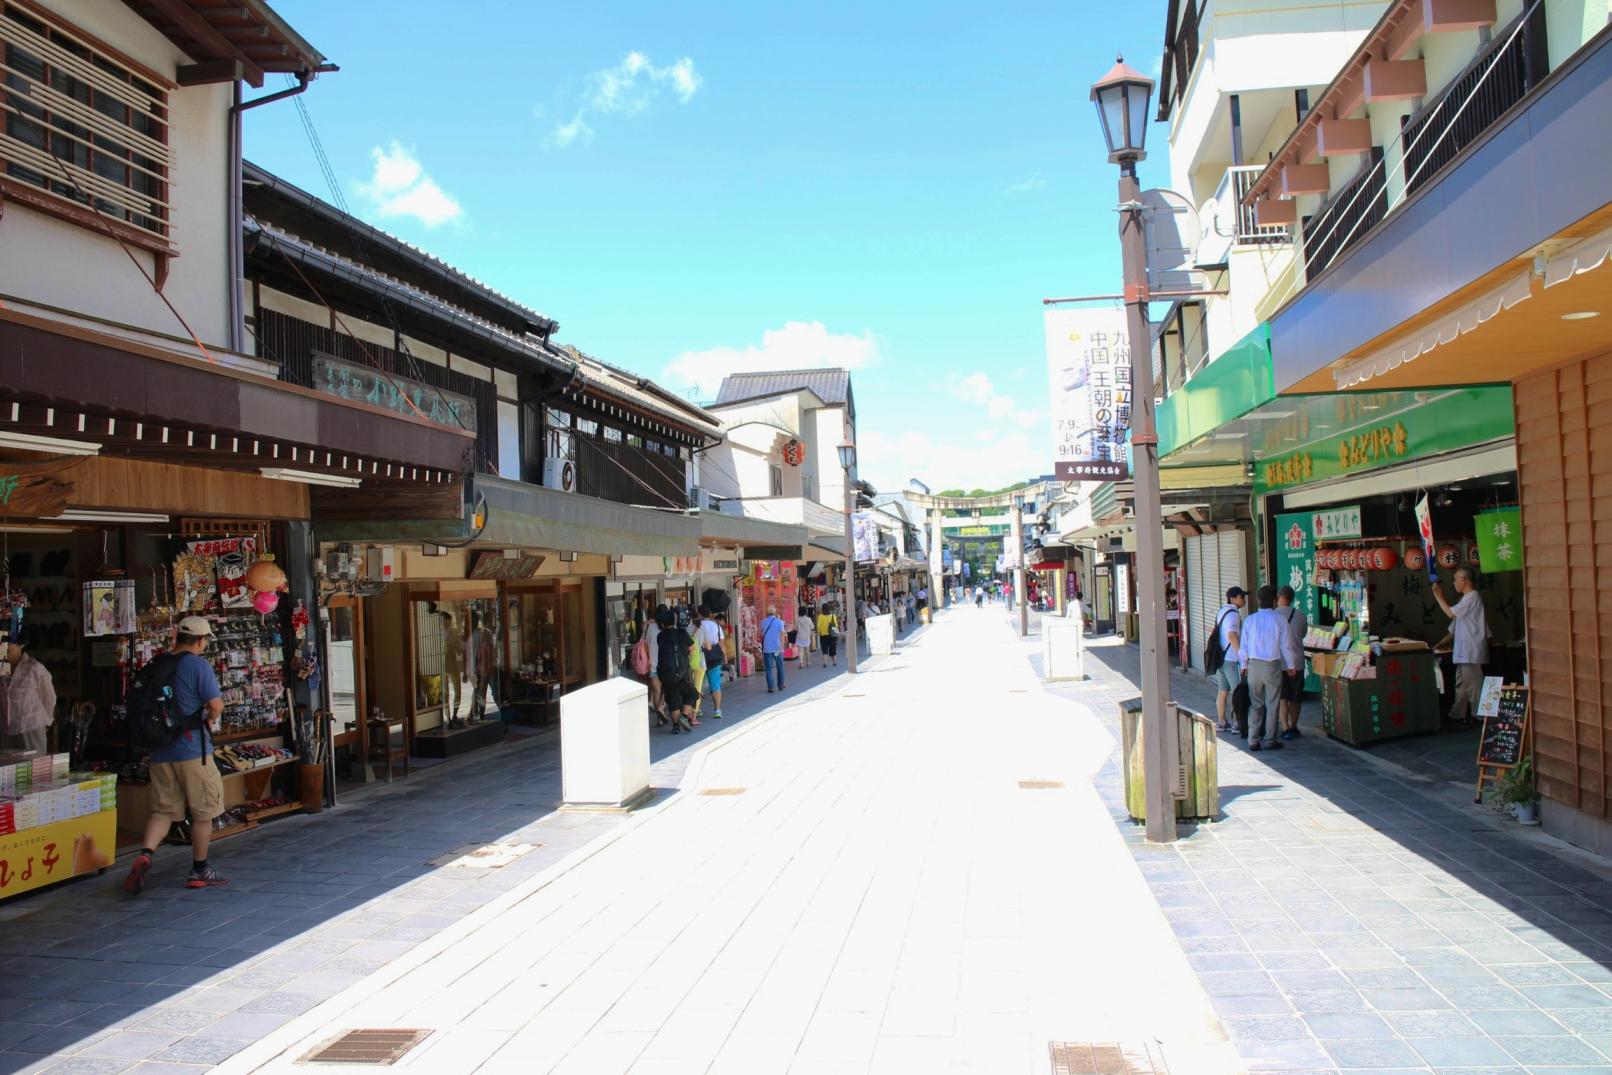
[833, 428]
[51, 261]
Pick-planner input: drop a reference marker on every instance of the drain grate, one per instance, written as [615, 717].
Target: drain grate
[723, 791]
[1040, 785]
[1105, 1058]
[380, 1046]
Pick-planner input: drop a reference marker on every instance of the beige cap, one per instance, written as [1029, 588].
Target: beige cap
[196, 626]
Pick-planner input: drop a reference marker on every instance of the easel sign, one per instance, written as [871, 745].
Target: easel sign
[1505, 735]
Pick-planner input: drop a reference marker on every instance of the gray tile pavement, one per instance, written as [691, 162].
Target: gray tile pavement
[97, 982]
[1348, 915]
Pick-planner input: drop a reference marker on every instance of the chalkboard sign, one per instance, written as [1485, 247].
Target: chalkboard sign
[1502, 742]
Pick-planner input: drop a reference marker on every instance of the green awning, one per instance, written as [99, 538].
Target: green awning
[1231, 386]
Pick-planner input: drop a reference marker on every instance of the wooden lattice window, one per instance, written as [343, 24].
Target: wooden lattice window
[86, 129]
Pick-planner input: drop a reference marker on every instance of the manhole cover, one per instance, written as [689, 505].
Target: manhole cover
[482, 856]
[1105, 1058]
[722, 791]
[376, 1045]
[1040, 785]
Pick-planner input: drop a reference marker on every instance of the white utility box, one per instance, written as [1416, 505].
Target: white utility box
[604, 745]
[1063, 655]
[881, 634]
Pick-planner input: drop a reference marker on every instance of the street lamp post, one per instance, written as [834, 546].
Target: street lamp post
[1122, 97]
[1018, 564]
[847, 461]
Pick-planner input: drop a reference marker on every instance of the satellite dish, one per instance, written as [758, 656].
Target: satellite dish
[1174, 231]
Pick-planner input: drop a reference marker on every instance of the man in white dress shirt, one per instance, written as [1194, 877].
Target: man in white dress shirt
[1470, 629]
[1267, 652]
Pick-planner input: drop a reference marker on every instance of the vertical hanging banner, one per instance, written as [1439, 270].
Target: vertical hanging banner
[1089, 368]
[1424, 528]
[864, 537]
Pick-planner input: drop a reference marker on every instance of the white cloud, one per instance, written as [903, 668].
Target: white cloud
[630, 88]
[399, 187]
[976, 388]
[1034, 181]
[994, 458]
[797, 345]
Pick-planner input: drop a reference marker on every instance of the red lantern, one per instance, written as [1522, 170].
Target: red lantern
[1415, 559]
[1449, 557]
[1329, 559]
[794, 452]
[1472, 555]
[1385, 559]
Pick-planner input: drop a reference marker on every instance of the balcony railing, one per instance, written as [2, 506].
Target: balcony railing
[1497, 78]
[1234, 223]
[1346, 217]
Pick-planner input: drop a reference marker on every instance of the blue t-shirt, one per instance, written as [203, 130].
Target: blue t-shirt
[194, 685]
[772, 635]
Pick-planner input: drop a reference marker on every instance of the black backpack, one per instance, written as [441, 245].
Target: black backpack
[1214, 654]
[674, 667]
[154, 718]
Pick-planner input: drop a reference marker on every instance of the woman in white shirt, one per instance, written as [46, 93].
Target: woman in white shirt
[805, 634]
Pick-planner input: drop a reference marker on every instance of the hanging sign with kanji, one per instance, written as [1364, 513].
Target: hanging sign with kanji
[1500, 540]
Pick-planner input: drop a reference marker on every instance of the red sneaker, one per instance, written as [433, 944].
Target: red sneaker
[208, 878]
[135, 883]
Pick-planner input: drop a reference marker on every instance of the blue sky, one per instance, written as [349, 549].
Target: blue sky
[691, 187]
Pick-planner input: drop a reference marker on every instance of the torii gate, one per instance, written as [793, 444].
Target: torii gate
[938, 506]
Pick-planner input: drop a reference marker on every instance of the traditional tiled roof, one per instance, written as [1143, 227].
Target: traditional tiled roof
[831, 385]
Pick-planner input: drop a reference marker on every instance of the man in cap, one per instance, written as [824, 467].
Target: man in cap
[184, 778]
[27, 696]
[1229, 626]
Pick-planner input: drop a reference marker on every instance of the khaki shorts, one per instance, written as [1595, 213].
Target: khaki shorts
[178, 785]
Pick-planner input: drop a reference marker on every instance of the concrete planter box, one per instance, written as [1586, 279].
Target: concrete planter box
[881, 634]
[1063, 649]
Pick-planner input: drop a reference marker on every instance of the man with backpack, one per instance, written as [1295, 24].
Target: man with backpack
[676, 671]
[1220, 659]
[176, 697]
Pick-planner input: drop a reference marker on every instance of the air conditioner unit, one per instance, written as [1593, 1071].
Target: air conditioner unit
[560, 474]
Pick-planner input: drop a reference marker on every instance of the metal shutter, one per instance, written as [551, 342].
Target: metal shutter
[1233, 571]
[1197, 600]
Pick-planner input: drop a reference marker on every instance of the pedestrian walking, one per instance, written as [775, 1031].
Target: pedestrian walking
[828, 635]
[27, 697]
[679, 692]
[710, 639]
[1298, 625]
[1228, 628]
[652, 641]
[1267, 654]
[805, 635]
[184, 778]
[772, 647]
[1469, 627]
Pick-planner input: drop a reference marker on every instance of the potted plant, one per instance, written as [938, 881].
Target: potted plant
[1516, 790]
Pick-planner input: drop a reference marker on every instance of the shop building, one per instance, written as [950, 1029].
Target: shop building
[579, 512]
[1438, 341]
[150, 459]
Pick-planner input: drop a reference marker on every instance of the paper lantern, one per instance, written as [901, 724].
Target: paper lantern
[266, 602]
[1385, 559]
[1351, 559]
[1415, 559]
[1472, 555]
[1449, 556]
[265, 576]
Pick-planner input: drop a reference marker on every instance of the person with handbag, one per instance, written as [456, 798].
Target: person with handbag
[709, 636]
[1221, 653]
[828, 636]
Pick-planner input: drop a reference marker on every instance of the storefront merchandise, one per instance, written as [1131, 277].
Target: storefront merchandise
[54, 824]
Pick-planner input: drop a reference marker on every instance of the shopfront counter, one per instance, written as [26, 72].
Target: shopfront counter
[1402, 700]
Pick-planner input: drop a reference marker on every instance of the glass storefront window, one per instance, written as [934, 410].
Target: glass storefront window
[445, 643]
[343, 666]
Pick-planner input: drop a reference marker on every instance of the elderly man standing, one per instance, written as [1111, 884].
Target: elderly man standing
[1267, 653]
[27, 698]
[1470, 629]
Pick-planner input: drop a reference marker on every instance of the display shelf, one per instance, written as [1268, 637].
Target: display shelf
[259, 768]
[275, 811]
[263, 732]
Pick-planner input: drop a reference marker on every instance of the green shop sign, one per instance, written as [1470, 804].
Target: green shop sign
[1295, 567]
[1500, 540]
[1338, 437]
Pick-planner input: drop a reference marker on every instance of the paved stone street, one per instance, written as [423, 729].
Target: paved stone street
[1344, 915]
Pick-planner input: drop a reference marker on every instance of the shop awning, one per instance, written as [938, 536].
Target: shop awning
[826, 547]
[761, 539]
[534, 517]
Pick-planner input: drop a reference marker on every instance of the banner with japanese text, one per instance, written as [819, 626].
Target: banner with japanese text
[1089, 369]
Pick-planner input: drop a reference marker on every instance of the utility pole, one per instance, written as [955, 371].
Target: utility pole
[1018, 564]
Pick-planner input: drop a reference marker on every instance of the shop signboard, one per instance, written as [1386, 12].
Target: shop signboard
[365, 384]
[35, 488]
[45, 854]
[1335, 524]
[495, 565]
[1296, 535]
[1089, 369]
[1500, 540]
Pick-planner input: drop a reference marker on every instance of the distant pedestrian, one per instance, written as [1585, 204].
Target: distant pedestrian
[828, 635]
[1298, 625]
[772, 647]
[1228, 625]
[710, 638]
[676, 673]
[805, 635]
[1267, 654]
[652, 642]
[184, 776]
